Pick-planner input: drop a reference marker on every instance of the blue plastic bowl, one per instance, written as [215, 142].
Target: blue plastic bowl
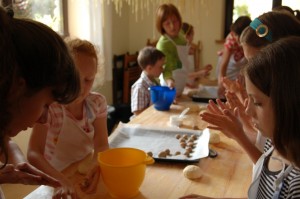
[162, 97]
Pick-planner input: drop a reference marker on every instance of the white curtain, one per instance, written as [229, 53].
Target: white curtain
[86, 21]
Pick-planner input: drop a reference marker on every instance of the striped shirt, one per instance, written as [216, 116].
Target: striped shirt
[140, 94]
[95, 107]
[233, 45]
[291, 184]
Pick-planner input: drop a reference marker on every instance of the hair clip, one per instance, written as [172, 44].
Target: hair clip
[261, 29]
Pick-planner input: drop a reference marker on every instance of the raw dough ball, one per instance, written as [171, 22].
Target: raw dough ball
[214, 138]
[167, 151]
[178, 136]
[162, 154]
[150, 154]
[192, 172]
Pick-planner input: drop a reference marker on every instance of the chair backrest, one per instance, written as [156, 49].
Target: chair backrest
[198, 48]
[118, 70]
[132, 72]
[151, 42]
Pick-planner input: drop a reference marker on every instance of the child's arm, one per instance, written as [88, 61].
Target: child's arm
[100, 137]
[222, 70]
[14, 152]
[35, 155]
[221, 118]
[100, 144]
[18, 170]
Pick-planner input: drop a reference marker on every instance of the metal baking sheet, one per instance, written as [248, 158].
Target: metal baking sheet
[156, 140]
[206, 93]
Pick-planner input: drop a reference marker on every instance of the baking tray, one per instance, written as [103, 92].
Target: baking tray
[206, 93]
[156, 140]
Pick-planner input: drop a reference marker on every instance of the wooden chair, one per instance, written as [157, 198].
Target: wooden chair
[132, 72]
[198, 48]
[118, 111]
[118, 71]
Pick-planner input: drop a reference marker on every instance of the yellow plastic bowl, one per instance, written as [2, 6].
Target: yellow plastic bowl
[123, 170]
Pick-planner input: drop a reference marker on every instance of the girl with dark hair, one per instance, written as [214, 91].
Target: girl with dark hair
[271, 78]
[36, 69]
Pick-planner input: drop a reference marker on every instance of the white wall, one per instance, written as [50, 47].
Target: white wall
[125, 33]
[207, 19]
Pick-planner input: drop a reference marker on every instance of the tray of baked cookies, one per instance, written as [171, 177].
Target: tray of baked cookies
[163, 144]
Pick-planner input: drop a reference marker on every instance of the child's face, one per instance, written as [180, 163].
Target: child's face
[190, 37]
[155, 70]
[172, 26]
[260, 108]
[87, 66]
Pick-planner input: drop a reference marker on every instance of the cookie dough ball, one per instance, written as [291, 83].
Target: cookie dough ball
[192, 172]
[214, 138]
[150, 154]
[162, 154]
[178, 136]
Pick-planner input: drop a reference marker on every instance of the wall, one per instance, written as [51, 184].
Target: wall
[208, 22]
[126, 33]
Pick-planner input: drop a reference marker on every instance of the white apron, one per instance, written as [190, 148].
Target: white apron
[191, 68]
[73, 144]
[179, 75]
[253, 189]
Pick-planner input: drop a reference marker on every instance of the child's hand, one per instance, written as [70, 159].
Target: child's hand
[236, 86]
[89, 185]
[170, 83]
[221, 117]
[200, 73]
[27, 174]
[66, 189]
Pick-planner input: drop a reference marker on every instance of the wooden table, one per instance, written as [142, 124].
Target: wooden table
[227, 175]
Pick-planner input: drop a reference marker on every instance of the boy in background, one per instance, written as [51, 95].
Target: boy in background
[151, 61]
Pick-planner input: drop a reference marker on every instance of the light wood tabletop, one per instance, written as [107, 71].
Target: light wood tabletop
[227, 175]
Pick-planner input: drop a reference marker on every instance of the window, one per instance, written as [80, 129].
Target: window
[252, 8]
[49, 12]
